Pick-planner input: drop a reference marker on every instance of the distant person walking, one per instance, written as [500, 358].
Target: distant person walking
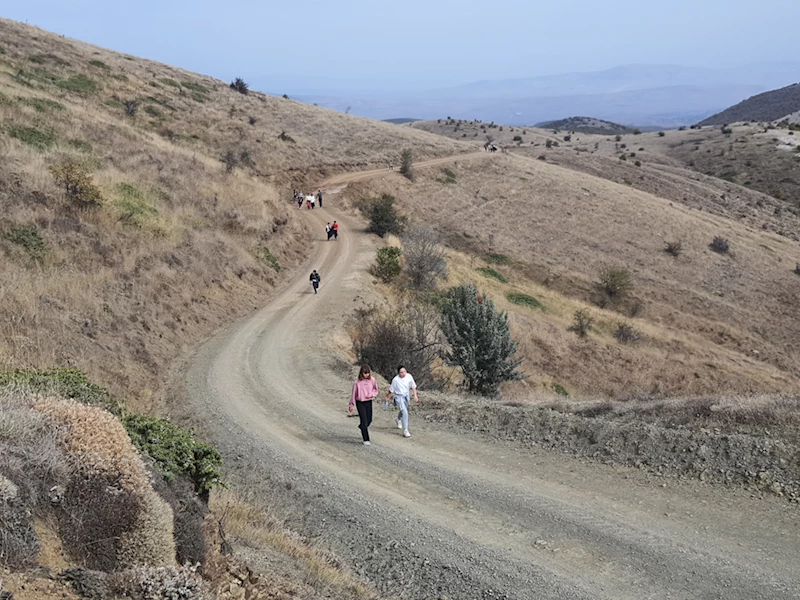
[329, 231]
[335, 229]
[319, 197]
[402, 386]
[314, 279]
[365, 390]
[311, 200]
[298, 196]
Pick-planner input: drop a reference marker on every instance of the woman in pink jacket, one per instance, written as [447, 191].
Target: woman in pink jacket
[364, 390]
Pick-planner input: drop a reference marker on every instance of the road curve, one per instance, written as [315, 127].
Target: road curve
[445, 514]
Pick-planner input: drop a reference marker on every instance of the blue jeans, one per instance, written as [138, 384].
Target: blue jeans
[402, 404]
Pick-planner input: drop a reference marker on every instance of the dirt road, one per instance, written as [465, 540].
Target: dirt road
[445, 514]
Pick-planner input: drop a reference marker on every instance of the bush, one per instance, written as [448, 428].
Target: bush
[175, 451]
[638, 163]
[230, 160]
[524, 300]
[480, 340]
[498, 259]
[41, 140]
[266, 256]
[489, 272]
[626, 333]
[720, 244]
[582, 323]
[240, 86]
[567, 138]
[424, 258]
[29, 239]
[409, 335]
[559, 390]
[79, 84]
[77, 184]
[661, 134]
[384, 218]
[131, 107]
[387, 264]
[517, 138]
[406, 164]
[614, 282]
[65, 383]
[99, 64]
[797, 269]
[673, 248]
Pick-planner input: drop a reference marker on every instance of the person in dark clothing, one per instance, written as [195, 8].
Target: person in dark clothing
[314, 279]
[319, 198]
[328, 231]
[365, 389]
[335, 230]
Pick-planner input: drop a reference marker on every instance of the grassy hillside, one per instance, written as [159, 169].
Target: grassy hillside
[585, 125]
[707, 322]
[769, 106]
[161, 242]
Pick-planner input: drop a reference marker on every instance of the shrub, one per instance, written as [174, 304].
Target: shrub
[797, 269]
[542, 157]
[548, 143]
[498, 259]
[406, 164]
[517, 138]
[77, 184]
[266, 256]
[230, 160]
[727, 130]
[627, 333]
[285, 137]
[449, 177]
[559, 390]
[638, 163]
[524, 300]
[567, 138]
[661, 134]
[409, 335]
[99, 64]
[29, 239]
[252, 120]
[673, 248]
[384, 218]
[720, 244]
[66, 383]
[41, 140]
[387, 264]
[175, 451]
[623, 157]
[79, 84]
[614, 282]
[424, 258]
[240, 86]
[618, 138]
[480, 340]
[131, 107]
[489, 272]
[582, 323]
[42, 105]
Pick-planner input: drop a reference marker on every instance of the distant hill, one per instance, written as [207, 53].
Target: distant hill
[769, 106]
[586, 125]
[401, 120]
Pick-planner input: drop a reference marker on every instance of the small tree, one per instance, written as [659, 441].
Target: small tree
[615, 282]
[480, 340]
[424, 258]
[230, 160]
[720, 244]
[387, 264]
[406, 164]
[131, 107]
[77, 184]
[240, 86]
[582, 323]
[384, 218]
[673, 248]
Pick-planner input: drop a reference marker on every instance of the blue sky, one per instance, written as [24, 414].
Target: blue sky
[303, 45]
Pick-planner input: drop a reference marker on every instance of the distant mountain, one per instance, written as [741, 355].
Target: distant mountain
[586, 125]
[401, 120]
[769, 106]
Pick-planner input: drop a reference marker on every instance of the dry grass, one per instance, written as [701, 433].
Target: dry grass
[249, 525]
[710, 323]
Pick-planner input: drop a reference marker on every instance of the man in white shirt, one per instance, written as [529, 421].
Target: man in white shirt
[402, 386]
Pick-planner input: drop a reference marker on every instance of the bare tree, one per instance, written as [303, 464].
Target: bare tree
[424, 257]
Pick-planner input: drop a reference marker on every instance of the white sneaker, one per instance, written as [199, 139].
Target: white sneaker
[399, 424]
[366, 443]
[406, 433]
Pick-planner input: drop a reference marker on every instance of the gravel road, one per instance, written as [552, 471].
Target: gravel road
[447, 514]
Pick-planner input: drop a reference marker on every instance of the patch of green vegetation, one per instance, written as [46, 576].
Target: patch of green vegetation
[559, 389]
[40, 59]
[41, 140]
[170, 82]
[29, 239]
[69, 383]
[195, 87]
[80, 145]
[498, 259]
[136, 212]
[489, 272]
[266, 256]
[449, 177]
[525, 300]
[114, 103]
[176, 451]
[42, 105]
[28, 78]
[99, 64]
[198, 97]
[80, 84]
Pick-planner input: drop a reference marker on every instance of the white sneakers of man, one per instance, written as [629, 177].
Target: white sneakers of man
[366, 443]
[399, 424]
[406, 433]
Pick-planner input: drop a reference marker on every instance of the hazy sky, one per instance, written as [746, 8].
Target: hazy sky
[298, 46]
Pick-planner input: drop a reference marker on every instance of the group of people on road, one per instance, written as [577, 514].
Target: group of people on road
[311, 200]
[365, 390]
[332, 231]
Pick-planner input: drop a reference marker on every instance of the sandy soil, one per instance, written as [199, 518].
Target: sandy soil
[445, 514]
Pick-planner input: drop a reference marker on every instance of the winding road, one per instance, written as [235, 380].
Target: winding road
[447, 514]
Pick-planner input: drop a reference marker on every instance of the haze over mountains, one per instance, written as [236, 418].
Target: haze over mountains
[642, 95]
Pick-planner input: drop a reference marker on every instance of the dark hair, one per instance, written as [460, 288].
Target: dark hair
[400, 367]
[365, 370]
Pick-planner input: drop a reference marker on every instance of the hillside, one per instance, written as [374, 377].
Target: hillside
[585, 125]
[769, 106]
[178, 243]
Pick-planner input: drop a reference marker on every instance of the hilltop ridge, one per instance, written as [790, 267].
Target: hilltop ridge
[769, 106]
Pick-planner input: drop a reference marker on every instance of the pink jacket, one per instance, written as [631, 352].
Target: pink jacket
[363, 390]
